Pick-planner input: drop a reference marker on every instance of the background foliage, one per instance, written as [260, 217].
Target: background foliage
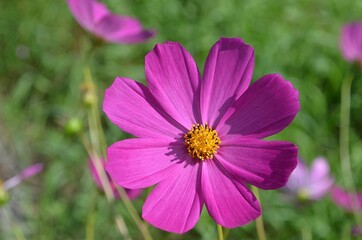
[42, 52]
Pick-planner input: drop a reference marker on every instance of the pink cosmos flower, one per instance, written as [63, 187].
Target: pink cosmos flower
[351, 42]
[96, 18]
[199, 138]
[309, 183]
[346, 199]
[132, 193]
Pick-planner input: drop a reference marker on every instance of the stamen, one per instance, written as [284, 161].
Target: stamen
[202, 141]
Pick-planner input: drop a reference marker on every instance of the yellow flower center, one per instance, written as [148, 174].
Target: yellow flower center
[202, 141]
[303, 194]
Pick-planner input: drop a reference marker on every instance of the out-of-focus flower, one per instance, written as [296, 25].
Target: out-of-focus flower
[132, 193]
[96, 18]
[351, 42]
[309, 183]
[14, 181]
[200, 139]
[346, 199]
[350, 202]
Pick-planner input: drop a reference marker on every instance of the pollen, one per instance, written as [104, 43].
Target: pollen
[202, 142]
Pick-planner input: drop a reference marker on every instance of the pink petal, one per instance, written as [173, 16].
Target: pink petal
[351, 41]
[266, 108]
[173, 79]
[131, 106]
[229, 202]
[320, 180]
[143, 162]
[319, 169]
[347, 199]
[228, 72]
[175, 204]
[132, 193]
[23, 175]
[87, 12]
[121, 29]
[299, 178]
[265, 164]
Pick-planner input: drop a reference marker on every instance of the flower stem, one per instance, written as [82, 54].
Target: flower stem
[97, 149]
[219, 232]
[259, 221]
[344, 144]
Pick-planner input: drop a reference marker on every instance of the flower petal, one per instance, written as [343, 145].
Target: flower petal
[173, 79]
[319, 169]
[347, 200]
[143, 162]
[228, 72]
[175, 204]
[229, 202]
[351, 41]
[122, 29]
[87, 12]
[299, 178]
[266, 108]
[265, 164]
[131, 106]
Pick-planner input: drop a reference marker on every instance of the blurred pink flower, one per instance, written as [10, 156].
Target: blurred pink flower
[132, 193]
[199, 138]
[346, 199]
[351, 42]
[96, 18]
[309, 183]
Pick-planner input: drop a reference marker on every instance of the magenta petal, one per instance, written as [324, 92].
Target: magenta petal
[265, 164]
[175, 204]
[266, 108]
[173, 79]
[121, 29]
[351, 41]
[228, 72]
[23, 175]
[131, 106]
[346, 199]
[143, 162]
[87, 12]
[229, 202]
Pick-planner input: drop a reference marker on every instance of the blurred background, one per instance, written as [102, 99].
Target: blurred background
[42, 55]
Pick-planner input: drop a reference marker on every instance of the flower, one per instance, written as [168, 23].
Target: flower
[309, 183]
[351, 42]
[96, 18]
[198, 138]
[17, 179]
[132, 193]
[346, 199]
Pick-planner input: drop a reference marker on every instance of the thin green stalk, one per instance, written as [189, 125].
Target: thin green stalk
[259, 221]
[98, 148]
[219, 232]
[19, 235]
[133, 212]
[344, 144]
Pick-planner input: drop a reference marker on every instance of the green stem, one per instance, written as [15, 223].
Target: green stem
[344, 144]
[219, 232]
[98, 148]
[259, 221]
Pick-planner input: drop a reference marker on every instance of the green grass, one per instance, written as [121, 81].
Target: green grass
[42, 52]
